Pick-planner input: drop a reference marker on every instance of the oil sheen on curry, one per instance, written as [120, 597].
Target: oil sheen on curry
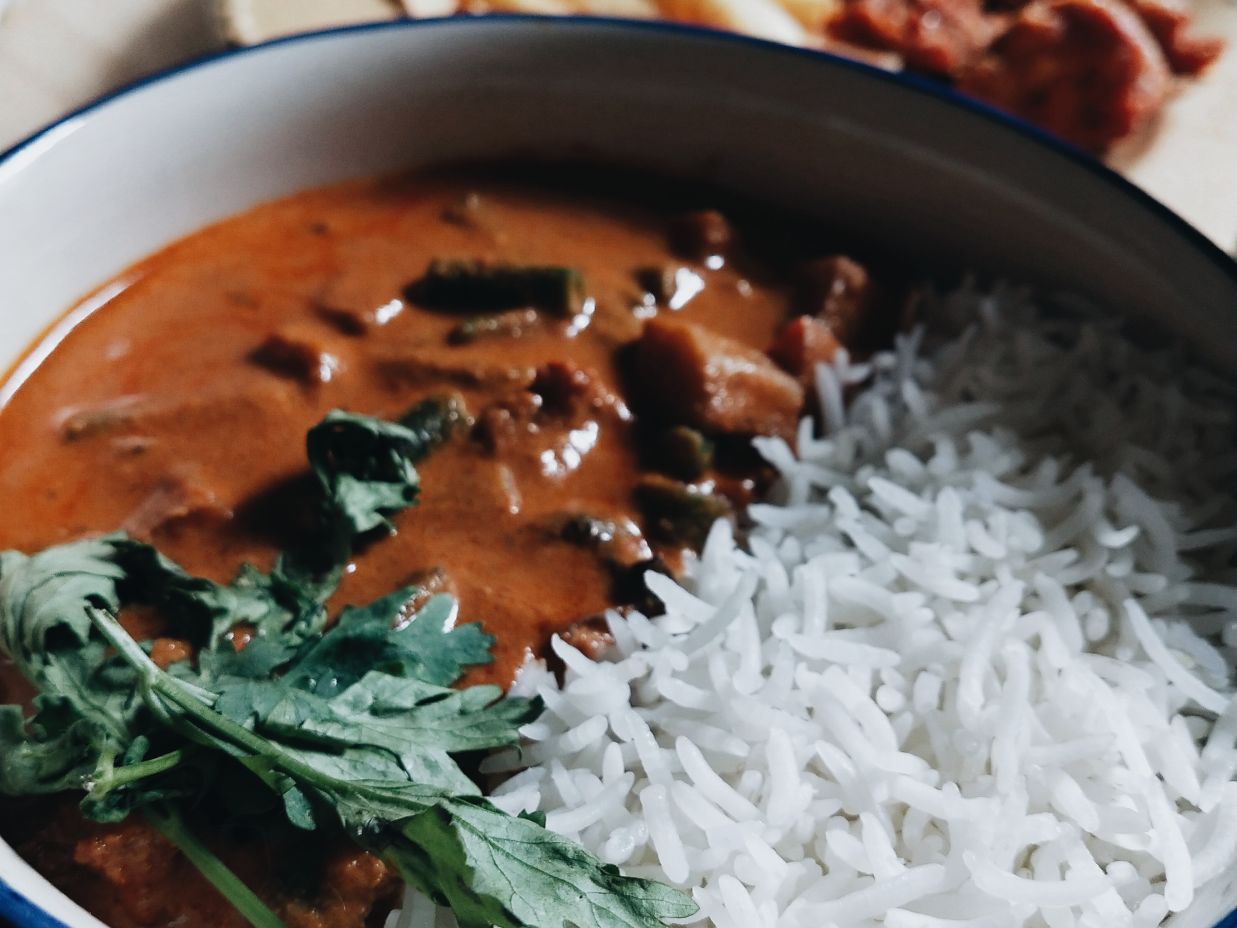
[603, 349]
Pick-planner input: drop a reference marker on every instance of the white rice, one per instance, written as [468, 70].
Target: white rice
[952, 675]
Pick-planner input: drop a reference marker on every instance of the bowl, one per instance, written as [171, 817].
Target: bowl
[946, 182]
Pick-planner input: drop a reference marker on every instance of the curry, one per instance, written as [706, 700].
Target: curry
[607, 347]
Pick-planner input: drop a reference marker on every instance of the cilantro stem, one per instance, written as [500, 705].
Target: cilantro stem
[224, 728]
[123, 776]
[216, 872]
[157, 683]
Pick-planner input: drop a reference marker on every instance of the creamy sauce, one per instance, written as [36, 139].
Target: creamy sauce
[177, 411]
[207, 460]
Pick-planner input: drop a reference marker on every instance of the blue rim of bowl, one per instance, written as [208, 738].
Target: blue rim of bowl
[26, 914]
[23, 913]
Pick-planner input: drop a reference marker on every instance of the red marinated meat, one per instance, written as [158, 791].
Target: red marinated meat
[1169, 22]
[688, 375]
[802, 344]
[937, 36]
[1088, 70]
[1091, 71]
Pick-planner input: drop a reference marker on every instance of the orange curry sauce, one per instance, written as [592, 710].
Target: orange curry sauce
[178, 412]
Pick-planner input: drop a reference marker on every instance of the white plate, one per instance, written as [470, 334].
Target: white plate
[937, 178]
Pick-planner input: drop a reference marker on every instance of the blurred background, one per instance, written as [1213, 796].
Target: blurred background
[1150, 86]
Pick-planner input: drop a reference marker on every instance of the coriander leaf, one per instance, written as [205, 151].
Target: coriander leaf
[41, 598]
[45, 628]
[397, 712]
[260, 658]
[54, 751]
[426, 648]
[279, 611]
[364, 466]
[380, 727]
[294, 601]
[429, 767]
[492, 868]
[199, 609]
[90, 726]
[366, 764]
[364, 469]
[309, 730]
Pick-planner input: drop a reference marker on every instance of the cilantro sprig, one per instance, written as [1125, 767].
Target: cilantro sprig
[350, 729]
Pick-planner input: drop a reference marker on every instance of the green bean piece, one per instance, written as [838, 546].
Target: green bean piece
[678, 512]
[683, 453]
[472, 285]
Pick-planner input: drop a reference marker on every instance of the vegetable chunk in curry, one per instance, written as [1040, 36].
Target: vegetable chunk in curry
[590, 354]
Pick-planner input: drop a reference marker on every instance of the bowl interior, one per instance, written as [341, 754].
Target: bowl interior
[935, 180]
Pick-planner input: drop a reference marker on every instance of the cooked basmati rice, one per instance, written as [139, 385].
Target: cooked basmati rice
[954, 675]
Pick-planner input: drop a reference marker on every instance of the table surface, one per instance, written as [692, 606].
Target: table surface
[57, 54]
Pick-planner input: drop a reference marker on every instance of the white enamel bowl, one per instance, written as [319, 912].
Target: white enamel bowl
[934, 177]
